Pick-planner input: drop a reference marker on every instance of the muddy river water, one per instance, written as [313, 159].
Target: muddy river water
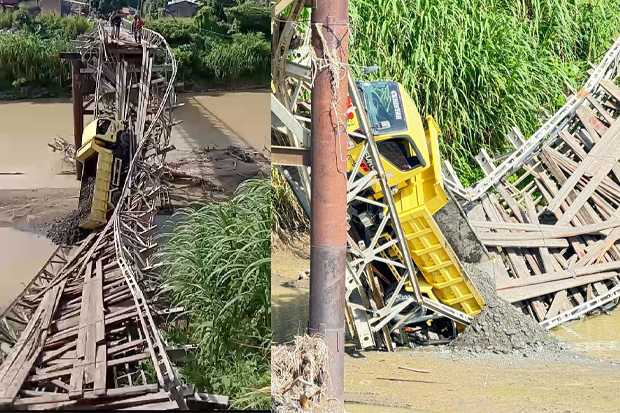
[20, 253]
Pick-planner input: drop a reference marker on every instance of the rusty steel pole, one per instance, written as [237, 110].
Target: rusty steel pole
[78, 111]
[328, 232]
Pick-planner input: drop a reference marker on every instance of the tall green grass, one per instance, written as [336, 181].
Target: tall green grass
[481, 66]
[218, 267]
[31, 56]
[27, 56]
[246, 56]
[6, 18]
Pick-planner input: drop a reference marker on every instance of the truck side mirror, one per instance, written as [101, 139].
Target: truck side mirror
[383, 125]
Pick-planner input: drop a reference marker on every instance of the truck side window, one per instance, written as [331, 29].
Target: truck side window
[103, 125]
[401, 152]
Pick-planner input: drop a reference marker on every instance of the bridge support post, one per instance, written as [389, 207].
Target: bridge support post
[328, 229]
[78, 111]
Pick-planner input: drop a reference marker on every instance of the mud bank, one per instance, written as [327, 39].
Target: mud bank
[33, 209]
[485, 384]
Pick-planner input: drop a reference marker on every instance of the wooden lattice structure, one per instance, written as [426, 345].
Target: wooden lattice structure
[553, 224]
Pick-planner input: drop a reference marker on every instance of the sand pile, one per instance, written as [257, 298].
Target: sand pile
[500, 327]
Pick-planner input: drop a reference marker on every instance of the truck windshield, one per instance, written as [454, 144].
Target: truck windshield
[385, 107]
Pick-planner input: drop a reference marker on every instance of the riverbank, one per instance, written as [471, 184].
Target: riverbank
[482, 384]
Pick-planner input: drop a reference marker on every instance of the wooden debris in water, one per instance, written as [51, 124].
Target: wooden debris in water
[67, 151]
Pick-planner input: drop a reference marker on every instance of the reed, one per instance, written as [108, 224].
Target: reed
[480, 67]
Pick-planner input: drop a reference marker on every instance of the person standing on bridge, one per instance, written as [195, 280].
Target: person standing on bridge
[117, 19]
[137, 26]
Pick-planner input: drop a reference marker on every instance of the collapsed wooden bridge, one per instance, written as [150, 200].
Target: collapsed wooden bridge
[85, 333]
[550, 209]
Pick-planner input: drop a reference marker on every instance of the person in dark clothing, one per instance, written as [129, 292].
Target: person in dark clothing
[116, 20]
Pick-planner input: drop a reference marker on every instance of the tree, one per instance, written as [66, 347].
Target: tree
[220, 6]
[207, 21]
[250, 18]
[151, 7]
[104, 7]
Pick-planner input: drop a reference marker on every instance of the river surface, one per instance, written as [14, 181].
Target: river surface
[289, 313]
[22, 255]
[207, 119]
[597, 336]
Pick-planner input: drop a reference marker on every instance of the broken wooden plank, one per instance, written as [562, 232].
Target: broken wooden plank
[526, 243]
[77, 374]
[563, 275]
[598, 163]
[17, 371]
[531, 291]
[112, 393]
[559, 301]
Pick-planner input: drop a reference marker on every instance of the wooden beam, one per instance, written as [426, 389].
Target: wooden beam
[532, 291]
[563, 275]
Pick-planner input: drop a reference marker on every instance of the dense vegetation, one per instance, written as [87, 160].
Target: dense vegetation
[222, 46]
[481, 66]
[221, 52]
[29, 55]
[218, 266]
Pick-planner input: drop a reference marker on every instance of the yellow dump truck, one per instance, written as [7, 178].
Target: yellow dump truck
[105, 155]
[411, 160]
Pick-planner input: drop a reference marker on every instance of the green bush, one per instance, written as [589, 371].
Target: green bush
[248, 55]
[31, 56]
[207, 52]
[176, 33]
[68, 27]
[208, 23]
[27, 56]
[217, 265]
[250, 18]
[220, 6]
[481, 66]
